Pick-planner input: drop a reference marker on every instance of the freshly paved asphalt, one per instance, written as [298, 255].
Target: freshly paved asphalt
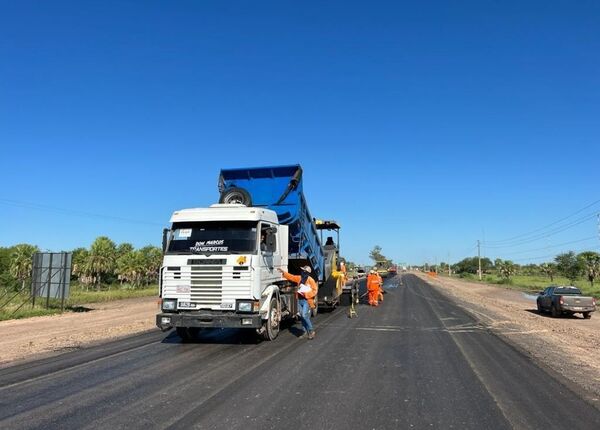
[418, 361]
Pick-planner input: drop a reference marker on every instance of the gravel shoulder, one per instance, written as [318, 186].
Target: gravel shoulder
[568, 346]
[33, 338]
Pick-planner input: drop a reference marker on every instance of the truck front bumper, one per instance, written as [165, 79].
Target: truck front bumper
[165, 321]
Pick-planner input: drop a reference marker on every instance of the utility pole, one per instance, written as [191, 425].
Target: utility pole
[479, 257]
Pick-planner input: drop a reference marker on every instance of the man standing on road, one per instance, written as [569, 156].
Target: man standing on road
[307, 291]
[373, 287]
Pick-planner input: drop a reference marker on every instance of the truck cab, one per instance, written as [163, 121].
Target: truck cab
[218, 264]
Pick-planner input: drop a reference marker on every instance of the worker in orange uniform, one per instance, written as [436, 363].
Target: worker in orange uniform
[373, 287]
[307, 292]
[380, 292]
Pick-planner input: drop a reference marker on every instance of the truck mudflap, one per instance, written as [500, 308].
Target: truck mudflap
[166, 321]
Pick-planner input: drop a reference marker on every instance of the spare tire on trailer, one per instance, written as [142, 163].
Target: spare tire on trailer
[235, 195]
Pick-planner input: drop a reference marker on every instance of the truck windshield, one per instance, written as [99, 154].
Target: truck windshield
[215, 237]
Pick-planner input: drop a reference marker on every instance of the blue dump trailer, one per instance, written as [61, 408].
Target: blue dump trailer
[220, 265]
[279, 188]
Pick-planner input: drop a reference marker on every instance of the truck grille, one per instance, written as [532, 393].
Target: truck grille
[206, 285]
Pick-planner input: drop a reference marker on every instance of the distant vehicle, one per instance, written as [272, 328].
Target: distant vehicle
[361, 273]
[393, 269]
[565, 301]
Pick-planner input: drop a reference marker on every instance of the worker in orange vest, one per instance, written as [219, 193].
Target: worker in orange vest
[380, 292]
[373, 287]
[306, 299]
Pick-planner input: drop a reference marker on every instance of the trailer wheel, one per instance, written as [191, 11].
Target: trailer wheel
[236, 195]
[271, 324]
[187, 334]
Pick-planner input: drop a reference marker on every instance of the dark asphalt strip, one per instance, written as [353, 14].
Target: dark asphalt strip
[527, 395]
[350, 378]
[29, 371]
[108, 392]
[417, 361]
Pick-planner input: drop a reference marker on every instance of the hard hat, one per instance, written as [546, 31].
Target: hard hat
[306, 269]
[372, 271]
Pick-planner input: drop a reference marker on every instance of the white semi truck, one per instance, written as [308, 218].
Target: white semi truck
[220, 263]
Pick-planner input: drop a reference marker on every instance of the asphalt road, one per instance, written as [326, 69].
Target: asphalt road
[417, 361]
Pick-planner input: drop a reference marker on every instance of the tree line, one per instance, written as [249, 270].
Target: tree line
[571, 265]
[103, 263]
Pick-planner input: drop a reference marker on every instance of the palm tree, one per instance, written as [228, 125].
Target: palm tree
[152, 261]
[506, 268]
[101, 259]
[81, 267]
[590, 261]
[548, 269]
[124, 248]
[21, 261]
[131, 267]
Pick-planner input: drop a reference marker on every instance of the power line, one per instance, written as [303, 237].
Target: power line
[544, 235]
[37, 206]
[554, 255]
[510, 239]
[554, 246]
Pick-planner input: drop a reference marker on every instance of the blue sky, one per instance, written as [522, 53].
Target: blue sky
[421, 127]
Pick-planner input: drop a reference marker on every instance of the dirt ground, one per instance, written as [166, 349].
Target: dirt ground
[41, 336]
[569, 346]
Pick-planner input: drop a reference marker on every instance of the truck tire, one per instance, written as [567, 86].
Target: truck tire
[187, 334]
[539, 308]
[271, 324]
[554, 311]
[236, 195]
[587, 315]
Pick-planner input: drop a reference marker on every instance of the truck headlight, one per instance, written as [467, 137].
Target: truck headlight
[169, 304]
[244, 306]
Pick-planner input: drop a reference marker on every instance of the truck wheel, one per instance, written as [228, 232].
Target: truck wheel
[187, 334]
[554, 312]
[587, 315]
[271, 325]
[236, 195]
[540, 309]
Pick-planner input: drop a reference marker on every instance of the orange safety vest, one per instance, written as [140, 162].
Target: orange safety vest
[373, 282]
[309, 296]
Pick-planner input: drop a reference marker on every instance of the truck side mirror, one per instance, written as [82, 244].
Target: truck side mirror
[165, 239]
[271, 242]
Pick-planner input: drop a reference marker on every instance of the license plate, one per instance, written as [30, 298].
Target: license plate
[186, 305]
[577, 308]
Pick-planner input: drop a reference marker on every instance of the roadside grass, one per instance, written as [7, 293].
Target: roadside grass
[534, 283]
[17, 306]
